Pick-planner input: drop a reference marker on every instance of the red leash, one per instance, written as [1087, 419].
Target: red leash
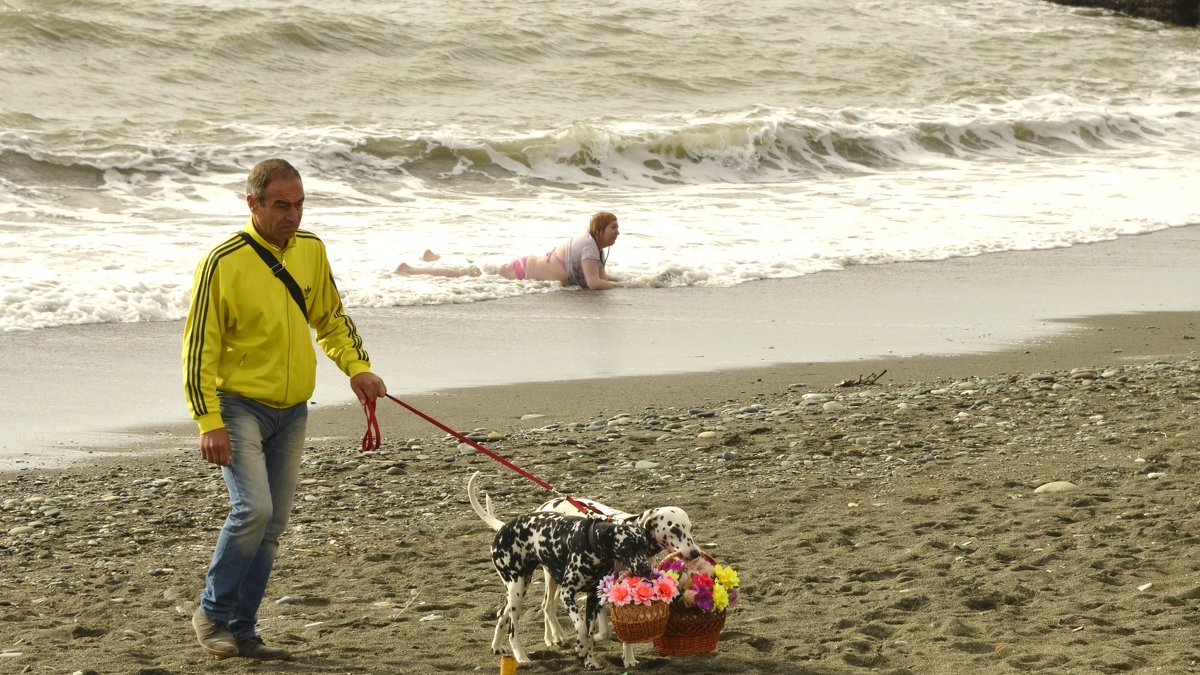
[372, 438]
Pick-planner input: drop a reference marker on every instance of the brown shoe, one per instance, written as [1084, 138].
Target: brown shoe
[213, 639]
[255, 649]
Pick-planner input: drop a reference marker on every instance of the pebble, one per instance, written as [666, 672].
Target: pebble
[795, 439]
[1056, 486]
[815, 438]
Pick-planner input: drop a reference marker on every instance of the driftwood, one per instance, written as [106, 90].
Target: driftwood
[870, 379]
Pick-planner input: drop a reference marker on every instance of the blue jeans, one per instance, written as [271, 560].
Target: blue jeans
[261, 479]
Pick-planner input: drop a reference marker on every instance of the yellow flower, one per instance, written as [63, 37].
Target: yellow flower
[720, 598]
[727, 577]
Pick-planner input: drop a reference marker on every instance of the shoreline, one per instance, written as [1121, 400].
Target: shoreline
[115, 386]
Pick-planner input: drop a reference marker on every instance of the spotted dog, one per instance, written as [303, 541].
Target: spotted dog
[668, 528]
[577, 553]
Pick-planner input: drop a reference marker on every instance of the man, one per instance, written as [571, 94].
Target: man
[248, 369]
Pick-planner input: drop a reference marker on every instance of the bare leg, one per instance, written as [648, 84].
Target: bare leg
[430, 256]
[405, 268]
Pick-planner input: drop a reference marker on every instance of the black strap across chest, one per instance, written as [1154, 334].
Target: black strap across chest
[279, 271]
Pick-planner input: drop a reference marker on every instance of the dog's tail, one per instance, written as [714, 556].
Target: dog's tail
[484, 512]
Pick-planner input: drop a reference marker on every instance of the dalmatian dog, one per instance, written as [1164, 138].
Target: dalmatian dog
[577, 553]
[668, 528]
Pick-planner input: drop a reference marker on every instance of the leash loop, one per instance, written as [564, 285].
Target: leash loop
[371, 440]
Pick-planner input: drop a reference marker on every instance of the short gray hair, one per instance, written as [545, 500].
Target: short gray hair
[263, 173]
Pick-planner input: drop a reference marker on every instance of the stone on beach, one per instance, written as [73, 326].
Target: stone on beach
[892, 534]
[1056, 486]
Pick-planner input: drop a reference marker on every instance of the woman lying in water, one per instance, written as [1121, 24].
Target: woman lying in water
[575, 262]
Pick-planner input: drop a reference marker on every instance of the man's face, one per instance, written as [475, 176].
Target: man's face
[278, 216]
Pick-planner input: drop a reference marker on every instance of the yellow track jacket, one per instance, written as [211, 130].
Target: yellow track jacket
[245, 335]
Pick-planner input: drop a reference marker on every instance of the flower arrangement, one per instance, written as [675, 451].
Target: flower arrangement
[621, 589]
[640, 607]
[703, 584]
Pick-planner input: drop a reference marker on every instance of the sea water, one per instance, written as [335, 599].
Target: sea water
[735, 141]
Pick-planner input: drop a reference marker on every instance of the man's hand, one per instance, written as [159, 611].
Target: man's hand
[367, 387]
[215, 447]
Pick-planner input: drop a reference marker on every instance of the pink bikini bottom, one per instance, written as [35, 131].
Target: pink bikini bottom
[518, 266]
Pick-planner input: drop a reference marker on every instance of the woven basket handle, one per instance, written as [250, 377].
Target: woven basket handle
[675, 554]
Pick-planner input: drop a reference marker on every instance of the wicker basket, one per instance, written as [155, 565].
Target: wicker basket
[640, 623]
[690, 631]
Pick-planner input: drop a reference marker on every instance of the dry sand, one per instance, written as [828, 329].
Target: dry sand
[896, 530]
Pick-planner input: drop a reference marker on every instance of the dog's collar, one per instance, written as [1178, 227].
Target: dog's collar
[592, 538]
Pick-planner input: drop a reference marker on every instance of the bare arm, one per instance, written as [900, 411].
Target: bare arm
[597, 279]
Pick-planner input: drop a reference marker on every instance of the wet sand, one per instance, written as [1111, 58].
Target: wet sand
[70, 390]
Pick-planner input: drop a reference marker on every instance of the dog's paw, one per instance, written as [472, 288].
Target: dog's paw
[590, 663]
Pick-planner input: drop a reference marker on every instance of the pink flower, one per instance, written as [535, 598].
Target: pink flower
[643, 594]
[665, 588]
[620, 595]
[689, 597]
[619, 590]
